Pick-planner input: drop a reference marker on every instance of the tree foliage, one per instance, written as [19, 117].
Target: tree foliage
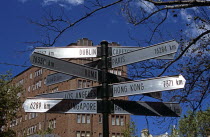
[130, 130]
[9, 103]
[195, 124]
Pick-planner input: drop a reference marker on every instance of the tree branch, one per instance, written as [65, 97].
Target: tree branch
[190, 44]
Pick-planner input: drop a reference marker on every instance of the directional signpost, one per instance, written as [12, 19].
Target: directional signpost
[69, 52]
[97, 99]
[147, 108]
[58, 65]
[122, 50]
[151, 52]
[60, 106]
[123, 89]
[85, 93]
[148, 85]
[97, 106]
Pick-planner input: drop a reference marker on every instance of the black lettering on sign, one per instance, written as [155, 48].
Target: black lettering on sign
[90, 74]
[179, 82]
[39, 60]
[51, 53]
[117, 108]
[120, 51]
[35, 105]
[120, 89]
[46, 106]
[118, 60]
[86, 106]
[160, 50]
[168, 83]
[137, 87]
[172, 47]
[42, 52]
[51, 64]
[87, 51]
[68, 96]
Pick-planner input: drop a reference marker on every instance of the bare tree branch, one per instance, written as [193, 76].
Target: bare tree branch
[183, 52]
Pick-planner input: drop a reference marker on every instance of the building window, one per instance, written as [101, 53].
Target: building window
[83, 134]
[29, 88]
[100, 119]
[88, 118]
[78, 118]
[121, 120]
[79, 83]
[118, 120]
[40, 125]
[84, 83]
[117, 135]
[55, 89]
[52, 123]
[113, 120]
[31, 76]
[38, 73]
[83, 118]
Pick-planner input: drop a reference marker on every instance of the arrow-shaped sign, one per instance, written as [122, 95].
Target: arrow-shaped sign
[147, 108]
[69, 52]
[150, 52]
[115, 50]
[97, 106]
[148, 85]
[66, 67]
[123, 89]
[60, 106]
[60, 77]
[85, 93]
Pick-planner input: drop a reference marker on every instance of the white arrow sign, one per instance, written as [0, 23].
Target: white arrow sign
[66, 67]
[69, 52]
[60, 106]
[166, 109]
[148, 85]
[85, 93]
[150, 52]
[123, 50]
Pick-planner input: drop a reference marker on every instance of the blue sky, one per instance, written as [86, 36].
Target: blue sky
[105, 25]
[108, 24]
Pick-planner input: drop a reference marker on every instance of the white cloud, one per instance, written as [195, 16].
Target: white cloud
[72, 2]
[62, 3]
[23, 1]
[147, 6]
[185, 16]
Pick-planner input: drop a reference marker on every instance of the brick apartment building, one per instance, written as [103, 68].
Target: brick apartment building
[33, 81]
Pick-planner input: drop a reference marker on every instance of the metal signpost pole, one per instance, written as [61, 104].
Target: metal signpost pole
[104, 91]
